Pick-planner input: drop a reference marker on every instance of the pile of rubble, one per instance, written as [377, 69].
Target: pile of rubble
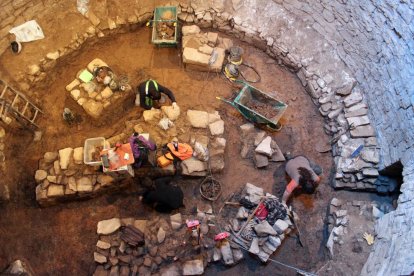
[345, 215]
[93, 97]
[259, 146]
[262, 228]
[215, 144]
[4, 190]
[203, 51]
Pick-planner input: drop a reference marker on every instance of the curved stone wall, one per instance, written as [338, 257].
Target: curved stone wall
[346, 53]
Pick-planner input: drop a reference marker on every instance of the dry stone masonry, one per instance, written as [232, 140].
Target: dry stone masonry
[348, 55]
[4, 189]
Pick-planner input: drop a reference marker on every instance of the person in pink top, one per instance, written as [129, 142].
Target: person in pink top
[302, 174]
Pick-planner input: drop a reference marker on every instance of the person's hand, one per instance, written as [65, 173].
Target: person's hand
[174, 105]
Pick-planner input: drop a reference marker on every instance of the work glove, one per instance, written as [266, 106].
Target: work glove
[174, 105]
[369, 238]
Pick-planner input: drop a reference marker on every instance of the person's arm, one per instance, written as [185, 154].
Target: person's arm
[147, 143]
[288, 191]
[141, 91]
[167, 92]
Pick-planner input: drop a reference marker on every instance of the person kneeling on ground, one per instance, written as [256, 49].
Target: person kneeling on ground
[149, 95]
[303, 174]
[140, 148]
[164, 196]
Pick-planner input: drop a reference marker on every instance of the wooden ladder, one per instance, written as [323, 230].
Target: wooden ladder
[9, 98]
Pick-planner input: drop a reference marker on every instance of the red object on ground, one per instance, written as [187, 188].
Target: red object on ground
[261, 212]
[221, 236]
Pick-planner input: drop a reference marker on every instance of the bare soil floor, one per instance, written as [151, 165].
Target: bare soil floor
[60, 240]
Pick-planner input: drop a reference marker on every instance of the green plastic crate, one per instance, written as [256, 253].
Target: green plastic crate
[157, 20]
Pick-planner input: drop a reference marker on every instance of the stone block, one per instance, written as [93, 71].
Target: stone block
[190, 30]
[105, 180]
[198, 119]
[363, 131]
[216, 128]
[260, 160]
[193, 267]
[55, 191]
[106, 93]
[109, 226]
[352, 99]
[171, 112]
[84, 184]
[205, 49]
[40, 175]
[263, 229]
[72, 85]
[65, 155]
[96, 63]
[280, 226]
[150, 115]
[212, 38]
[193, 56]
[193, 165]
[358, 121]
[93, 108]
[78, 155]
[370, 172]
[264, 147]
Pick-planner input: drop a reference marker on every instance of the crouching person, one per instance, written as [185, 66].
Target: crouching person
[164, 196]
[303, 174]
[140, 148]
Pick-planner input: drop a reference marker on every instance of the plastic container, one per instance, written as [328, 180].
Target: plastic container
[90, 147]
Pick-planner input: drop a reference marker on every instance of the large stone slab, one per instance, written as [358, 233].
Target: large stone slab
[190, 30]
[358, 121]
[96, 63]
[78, 155]
[352, 99]
[194, 267]
[55, 191]
[84, 184]
[216, 128]
[264, 147]
[93, 108]
[193, 165]
[193, 56]
[150, 115]
[198, 119]
[171, 112]
[109, 226]
[65, 156]
[363, 131]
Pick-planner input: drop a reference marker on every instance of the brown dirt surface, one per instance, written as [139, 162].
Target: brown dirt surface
[60, 240]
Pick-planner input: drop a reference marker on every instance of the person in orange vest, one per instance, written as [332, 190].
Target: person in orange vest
[303, 174]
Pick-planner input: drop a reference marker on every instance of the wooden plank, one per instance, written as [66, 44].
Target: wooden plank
[14, 100]
[24, 108]
[4, 91]
[34, 117]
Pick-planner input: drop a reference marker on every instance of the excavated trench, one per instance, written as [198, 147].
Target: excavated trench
[64, 236]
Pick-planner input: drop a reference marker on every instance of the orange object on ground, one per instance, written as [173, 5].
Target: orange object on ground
[122, 156]
[165, 160]
[184, 151]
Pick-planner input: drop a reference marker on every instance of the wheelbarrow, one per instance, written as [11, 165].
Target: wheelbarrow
[258, 107]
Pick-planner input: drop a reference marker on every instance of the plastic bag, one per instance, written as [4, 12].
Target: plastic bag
[165, 123]
[200, 152]
[28, 31]
[82, 6]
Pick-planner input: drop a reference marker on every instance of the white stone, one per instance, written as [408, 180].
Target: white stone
[103, 245]
[275, 241]
[53, 55]
[264, 229]
[247, 128]
[226, 253]
[370, 172]
[93, 108]
[33, 69]
[55, 191]
[40, 175]
[363, 131]
[264, 147]
[171, 112]
[254, 247]
[176, 221]
[216, 128]
[252, 189]
[106, 93]
[84, 184]
[109, 226]
[280, 226]
[75, 94]
[358, 121]
[99, 258]
[95, 63]
[193, 267]
[193, 165]
[259, 137]
[78, 155]
[198, 119]
[161, 235]
[72, 85]
[81, 101]
[52, 178]
[189, 30]
[150, 115]
[377, 213]
[65, 156]
[216, 254]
